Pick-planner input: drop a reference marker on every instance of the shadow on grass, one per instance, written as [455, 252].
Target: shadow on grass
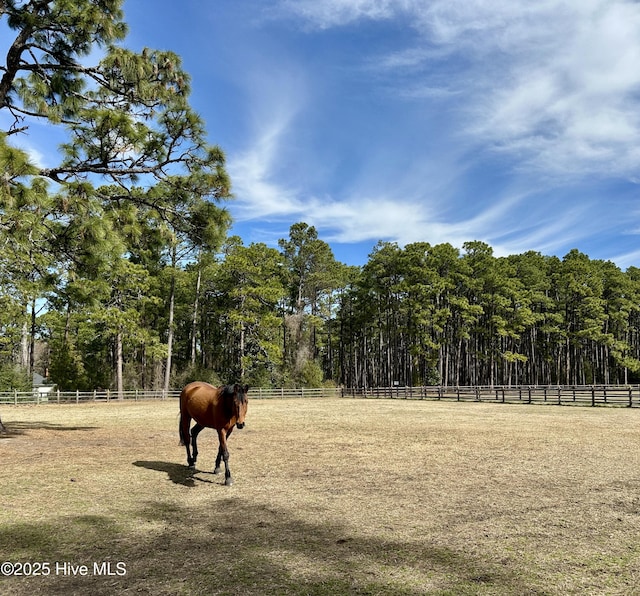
[178, 474]
[232, 546]
[17, 428]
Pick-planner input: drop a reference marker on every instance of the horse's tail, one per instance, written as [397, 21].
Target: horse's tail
[183, 439]
[181, 433]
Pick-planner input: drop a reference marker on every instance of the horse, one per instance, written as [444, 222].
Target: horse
[220, 408]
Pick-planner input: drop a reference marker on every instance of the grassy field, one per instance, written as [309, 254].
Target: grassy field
[330, 497]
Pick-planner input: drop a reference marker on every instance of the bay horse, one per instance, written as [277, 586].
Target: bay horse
[220, 408]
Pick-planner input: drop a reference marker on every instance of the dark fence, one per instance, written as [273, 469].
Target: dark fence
[565, 395]
[66, 397]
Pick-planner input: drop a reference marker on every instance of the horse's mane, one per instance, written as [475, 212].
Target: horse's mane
[227, 399]
[228, 395]
[229, 391]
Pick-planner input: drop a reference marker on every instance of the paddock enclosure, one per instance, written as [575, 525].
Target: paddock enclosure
[331, 496]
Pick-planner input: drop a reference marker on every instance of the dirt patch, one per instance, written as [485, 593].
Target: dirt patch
[330, 496]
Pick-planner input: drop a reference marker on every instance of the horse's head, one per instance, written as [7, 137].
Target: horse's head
[240, 403]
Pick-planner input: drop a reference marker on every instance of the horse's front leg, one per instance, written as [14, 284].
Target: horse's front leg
[216, 470]
[195, 431]
[222, 440]
[223, 455]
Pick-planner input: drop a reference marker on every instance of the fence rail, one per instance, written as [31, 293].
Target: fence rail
[579, 395]
[259, 393]
[66, 397]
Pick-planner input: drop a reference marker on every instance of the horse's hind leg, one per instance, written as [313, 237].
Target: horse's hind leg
[195, 431]
[185, 422]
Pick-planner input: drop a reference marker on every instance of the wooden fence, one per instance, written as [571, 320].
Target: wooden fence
[564, 395]
[66, 397]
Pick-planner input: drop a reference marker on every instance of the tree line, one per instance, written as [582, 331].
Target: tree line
[294, 316]
[117, 271]
[427, 314]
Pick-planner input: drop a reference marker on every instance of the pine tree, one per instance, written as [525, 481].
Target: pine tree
[132, 145]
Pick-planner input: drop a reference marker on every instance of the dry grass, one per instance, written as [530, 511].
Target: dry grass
[330, 497]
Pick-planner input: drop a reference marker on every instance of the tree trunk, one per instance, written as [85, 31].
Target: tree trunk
[242, 340]
[24, 345]
[194, 323]
[172, 299]
[119, 366]
[32, 340]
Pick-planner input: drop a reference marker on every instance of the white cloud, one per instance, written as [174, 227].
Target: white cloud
[554, 82]
[258, 192]
[627, 260]
[332, 13]
[549, 88]
[564, 98]
[275, 98]
[364, 218]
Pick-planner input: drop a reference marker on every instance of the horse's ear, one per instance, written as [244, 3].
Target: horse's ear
[246, 388]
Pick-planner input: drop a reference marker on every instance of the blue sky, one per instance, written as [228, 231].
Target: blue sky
[508, 121]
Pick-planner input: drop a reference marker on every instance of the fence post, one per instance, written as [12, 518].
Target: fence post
[58, 392]
[77, 396]
[593, 396]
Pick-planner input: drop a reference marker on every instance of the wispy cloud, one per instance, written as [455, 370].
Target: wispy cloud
[275, 98]
[553, 82]
[27, 143]
[562, 94]
[334, 13]
[258, 191]
[544, 93]
[363, 218]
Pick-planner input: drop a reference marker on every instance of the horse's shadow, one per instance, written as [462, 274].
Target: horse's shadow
[178, 473]
[16, 428]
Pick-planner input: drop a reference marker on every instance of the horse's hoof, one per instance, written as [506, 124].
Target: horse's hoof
[216, 471]
[228, 481]
[192, 466]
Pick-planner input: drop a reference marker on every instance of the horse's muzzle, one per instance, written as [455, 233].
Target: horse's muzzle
[240, 424]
